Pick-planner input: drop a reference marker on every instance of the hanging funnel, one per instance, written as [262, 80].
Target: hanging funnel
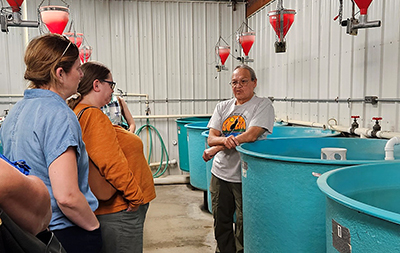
[55, 18]
[246, 40]
[223, 53]
[84, 53]
[363, 5]
[15, 4]
[76, 38]
[281, 21]
[222, 50]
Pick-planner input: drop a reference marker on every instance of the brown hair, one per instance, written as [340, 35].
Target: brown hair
[44, 55]
[91, 71]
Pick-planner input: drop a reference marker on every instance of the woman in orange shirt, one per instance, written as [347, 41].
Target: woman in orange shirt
[119, 176]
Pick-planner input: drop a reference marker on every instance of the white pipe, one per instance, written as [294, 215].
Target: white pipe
[306, 123]
[340, 128]
[171, 162]
[362, 132]
[132, 95]
[387, 134]
[170, 116]
[25, 14]
[172, 179]
[11, 95]
[136, 95]
[389, 148]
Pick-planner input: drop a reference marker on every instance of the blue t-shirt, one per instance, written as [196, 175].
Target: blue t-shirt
[38, 129]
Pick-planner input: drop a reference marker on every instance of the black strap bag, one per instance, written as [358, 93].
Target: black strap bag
[13, 239]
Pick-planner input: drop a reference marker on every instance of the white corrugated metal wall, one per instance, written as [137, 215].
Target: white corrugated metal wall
[166, 49]
[322, 62]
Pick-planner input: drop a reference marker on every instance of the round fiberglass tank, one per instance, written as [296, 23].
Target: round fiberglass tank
[283, 209]
[362, 208]
[299, 132]
[281, 130]
[182, 140]
[196, 146]
[208, 172]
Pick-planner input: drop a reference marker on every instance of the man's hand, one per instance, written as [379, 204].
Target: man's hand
[230, 142]
[209, 153]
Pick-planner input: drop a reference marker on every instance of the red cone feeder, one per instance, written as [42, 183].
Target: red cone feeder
[223, 52]
[55, 18]
[76, 38]
[246, 40]
[363, 5]
[15, 4]
[281, 20]
[84, 53]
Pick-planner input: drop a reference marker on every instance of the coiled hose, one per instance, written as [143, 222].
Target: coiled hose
[149, 128]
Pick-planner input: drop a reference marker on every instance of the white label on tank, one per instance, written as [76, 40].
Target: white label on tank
[339, 231]
[244, 169]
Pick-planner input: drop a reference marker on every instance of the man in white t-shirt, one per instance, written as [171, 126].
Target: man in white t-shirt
[244, 118]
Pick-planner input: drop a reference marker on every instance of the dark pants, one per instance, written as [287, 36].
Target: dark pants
[77, 240]
[226, 199]
[123, 231]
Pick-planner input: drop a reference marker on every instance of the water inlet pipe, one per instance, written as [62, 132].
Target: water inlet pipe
[170, 162]
[170, 116]
[172, 179]
[389, 148]
[362, 132]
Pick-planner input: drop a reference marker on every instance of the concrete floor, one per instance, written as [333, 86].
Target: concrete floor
[177, 222]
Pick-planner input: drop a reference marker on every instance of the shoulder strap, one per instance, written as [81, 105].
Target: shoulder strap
[79, 115]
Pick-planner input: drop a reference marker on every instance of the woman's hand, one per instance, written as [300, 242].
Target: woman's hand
[132, 209]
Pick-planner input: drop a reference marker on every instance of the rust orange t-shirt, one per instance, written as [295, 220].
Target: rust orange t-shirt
[118, 154]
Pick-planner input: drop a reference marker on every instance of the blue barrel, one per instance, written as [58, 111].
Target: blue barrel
[182, 140]
[196, 146]
[283, 209]
[362, 208]
[280, 131]
[208, 173]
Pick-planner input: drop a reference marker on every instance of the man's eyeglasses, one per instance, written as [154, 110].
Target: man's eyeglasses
[111, 83]
[240, 83]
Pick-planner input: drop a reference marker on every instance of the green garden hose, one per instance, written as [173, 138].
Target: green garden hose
[149, 128]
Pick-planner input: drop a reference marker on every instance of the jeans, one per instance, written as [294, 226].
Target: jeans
[123, 231]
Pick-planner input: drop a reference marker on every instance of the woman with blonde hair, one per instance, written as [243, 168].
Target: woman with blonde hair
[44, 132]
[118, 163]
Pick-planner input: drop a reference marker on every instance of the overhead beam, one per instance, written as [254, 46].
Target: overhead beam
[255, 5]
